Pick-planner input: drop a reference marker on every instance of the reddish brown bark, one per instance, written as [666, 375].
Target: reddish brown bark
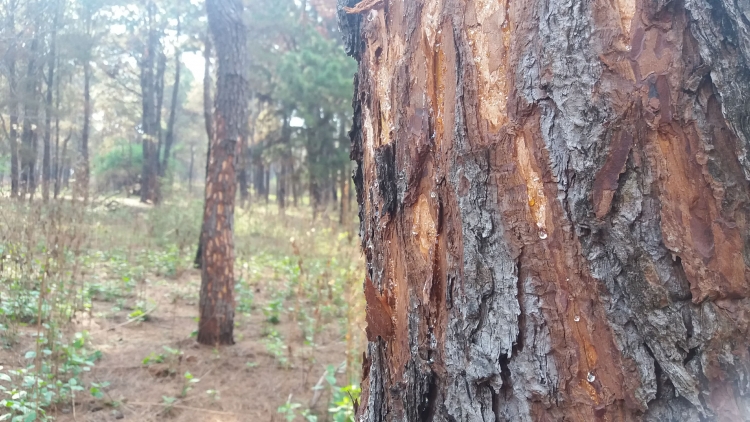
[555, 206]
[217, 281]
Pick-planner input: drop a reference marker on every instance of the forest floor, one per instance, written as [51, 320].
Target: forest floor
[298, 325]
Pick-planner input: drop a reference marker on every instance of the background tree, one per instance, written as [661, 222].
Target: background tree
[554, 200]
[11, 10]
[216, 325]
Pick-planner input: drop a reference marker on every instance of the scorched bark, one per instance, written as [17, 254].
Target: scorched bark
[554, 207]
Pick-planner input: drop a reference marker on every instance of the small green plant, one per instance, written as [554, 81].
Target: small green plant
[214, 394]
[272, 311]
[277, 348]
[244, 296]
[343, 398]
[139, 312]
[168, 402]
[97, 389]
[289, 410]
[171, 357]
[154, 358]
[188, 380]
[27, 392]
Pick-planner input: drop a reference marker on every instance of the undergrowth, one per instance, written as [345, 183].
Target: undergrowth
[58, 260]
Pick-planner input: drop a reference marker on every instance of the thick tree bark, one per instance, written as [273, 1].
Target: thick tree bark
[225, 19]
[554, 206]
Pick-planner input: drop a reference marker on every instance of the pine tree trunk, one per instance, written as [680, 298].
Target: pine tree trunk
[161, 70]
[150, 115]
[295, 186]
[13, 100]
[82, 169]
[555, 209]
[281, 182]
[190, 169]
[51, 60]
[209, 123]
[58, 162]
[267, 183]
[260, 172]
[63, 174]
[225, 18]
[169, 138]
[29, 133]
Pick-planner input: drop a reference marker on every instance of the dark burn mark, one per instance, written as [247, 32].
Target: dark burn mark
[429, 401]
[385, 163]
[356, 155]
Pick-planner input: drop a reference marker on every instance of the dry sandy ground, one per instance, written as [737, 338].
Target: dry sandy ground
[245, 392]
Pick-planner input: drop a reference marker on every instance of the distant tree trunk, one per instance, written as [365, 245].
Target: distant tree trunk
[260, 172]
[12, 99]
[225, 19]
[29, 134]
[51, 59]
[63, 170]
[82, 169]
[208, 120]
[555, 209]
[65, 162]
[267, 183]
[295, 186]
[282, 176]
[161, 68]
[334, 187]
[58, 172]
[281, 186]
[169, 139]
[149, 172]
[190, 170]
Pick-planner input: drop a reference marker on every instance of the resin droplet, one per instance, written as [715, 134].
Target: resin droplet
[542, 234]
[576, 318]
[590, 377]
